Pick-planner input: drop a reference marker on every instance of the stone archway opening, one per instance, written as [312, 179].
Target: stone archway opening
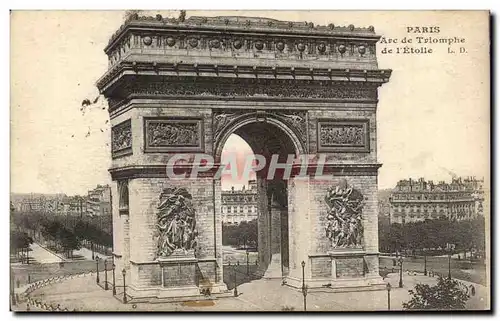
[239, 212]
[271, 197]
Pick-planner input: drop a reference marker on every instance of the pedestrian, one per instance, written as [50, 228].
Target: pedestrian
[473, 290]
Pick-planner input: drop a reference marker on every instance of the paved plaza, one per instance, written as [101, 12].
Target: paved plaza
[83, 294]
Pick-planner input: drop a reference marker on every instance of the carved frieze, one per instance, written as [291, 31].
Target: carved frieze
[295, 120]
[121, 139]
[173, 135]
[260, 35]
[260, 88]
[176, 223]
[344, 218]
[343, 135]
[292, 49]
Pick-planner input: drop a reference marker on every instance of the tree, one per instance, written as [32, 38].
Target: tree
[433, 234]
[19, 241]
[68, 241]
[245, 233]
[446, 295]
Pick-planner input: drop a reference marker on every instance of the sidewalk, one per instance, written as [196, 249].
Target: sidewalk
[44, 255]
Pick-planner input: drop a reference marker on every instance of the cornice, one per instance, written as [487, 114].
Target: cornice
[197, 71]
[307, 89]
[242, 25]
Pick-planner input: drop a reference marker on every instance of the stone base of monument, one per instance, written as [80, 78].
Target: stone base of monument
[340, 271]
[180, 281]
[182, 294]
[274, 270]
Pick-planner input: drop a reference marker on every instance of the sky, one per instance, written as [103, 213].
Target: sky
[432, 117]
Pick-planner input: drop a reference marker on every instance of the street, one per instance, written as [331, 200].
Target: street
[460, 269]
[233, 256]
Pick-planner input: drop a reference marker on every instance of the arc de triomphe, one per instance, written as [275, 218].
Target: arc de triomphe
[184, 86]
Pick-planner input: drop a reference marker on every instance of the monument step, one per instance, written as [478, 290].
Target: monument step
[191, 298]
[343, 289]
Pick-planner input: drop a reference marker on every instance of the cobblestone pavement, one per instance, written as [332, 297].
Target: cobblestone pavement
[83, 294]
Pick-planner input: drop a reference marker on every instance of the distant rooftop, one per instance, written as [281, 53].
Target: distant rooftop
[456, 184]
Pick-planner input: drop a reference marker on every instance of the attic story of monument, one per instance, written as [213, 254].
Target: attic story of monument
[184, 86]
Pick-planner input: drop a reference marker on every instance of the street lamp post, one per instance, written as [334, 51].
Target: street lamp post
[248, 264]
[105, 275]
[114, 284]
[235, 284]
[401, 271]
[304, 288]
[388, 287]
[449, 265]
[425, 265]
[124, 287]
[97, 268]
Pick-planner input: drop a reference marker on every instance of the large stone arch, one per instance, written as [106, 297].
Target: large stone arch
[169, 85]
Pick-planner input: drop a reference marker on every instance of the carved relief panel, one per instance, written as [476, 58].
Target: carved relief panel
[345, 216]
[173, 135]
[176, 224]
[349, 135]
[121, 139]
